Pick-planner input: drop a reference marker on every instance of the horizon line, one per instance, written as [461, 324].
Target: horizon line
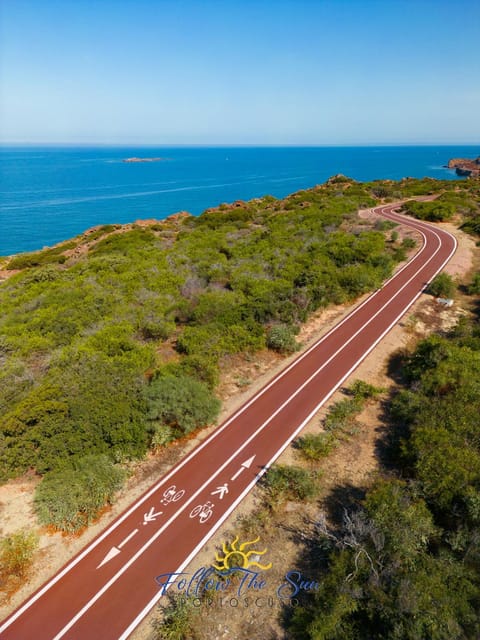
[235, 145]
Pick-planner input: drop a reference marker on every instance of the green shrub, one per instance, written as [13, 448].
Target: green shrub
[216, 340]
[180, 618]
[281, 338]
[434, 211]
[16, 554]
[341, 415]
[88, 403]
[314, 446]
[162, 436]
[71, 498]
[47, 256]
[362, 390]
[385, 225]
[442, 286]
[285, 482]
[409, 243]
[158, 329]
[201, 367]
[382, 191]
[180, 402]
[474, 286]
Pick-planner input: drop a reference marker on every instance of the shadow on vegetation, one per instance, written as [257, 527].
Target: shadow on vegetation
[312, 560]
[395, 365]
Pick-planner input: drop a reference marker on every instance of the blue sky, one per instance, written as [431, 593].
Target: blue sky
[306, 72]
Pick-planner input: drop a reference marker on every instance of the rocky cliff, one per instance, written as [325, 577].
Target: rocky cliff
[465, 166]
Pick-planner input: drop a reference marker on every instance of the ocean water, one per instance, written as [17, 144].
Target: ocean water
[50, 194]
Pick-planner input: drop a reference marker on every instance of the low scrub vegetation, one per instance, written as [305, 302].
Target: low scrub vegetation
[405, 563]
[98, 349]
[80, 342]
[71, 498]
[286, 482]
[17, 551]
[339, 423]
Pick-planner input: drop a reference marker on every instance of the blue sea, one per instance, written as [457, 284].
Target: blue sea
[49, 194]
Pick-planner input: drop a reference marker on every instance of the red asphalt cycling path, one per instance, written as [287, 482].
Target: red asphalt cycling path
[90, 600]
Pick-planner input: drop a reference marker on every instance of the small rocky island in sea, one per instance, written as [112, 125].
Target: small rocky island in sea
[465, 166]
[144, 159]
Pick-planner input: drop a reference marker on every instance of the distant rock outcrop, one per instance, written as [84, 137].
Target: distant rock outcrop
[465, 166]
[144, 159]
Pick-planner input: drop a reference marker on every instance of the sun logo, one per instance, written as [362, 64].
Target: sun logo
[234, 556]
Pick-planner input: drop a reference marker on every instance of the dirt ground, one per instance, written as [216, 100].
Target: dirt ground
[353, 463]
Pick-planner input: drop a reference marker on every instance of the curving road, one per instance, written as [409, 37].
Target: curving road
[108, 588]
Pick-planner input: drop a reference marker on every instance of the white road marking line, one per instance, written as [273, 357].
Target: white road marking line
[128, 538]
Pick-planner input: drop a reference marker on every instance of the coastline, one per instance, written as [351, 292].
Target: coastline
[55, 193]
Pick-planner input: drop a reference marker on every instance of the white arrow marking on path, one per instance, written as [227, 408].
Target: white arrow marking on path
[114, 551]
[245, 465]
[151, 516]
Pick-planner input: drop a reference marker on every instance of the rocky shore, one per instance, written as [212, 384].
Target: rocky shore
[465, 166]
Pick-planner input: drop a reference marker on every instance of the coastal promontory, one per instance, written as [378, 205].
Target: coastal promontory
[465, 166]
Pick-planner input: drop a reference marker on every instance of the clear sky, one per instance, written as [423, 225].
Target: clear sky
[307, 72]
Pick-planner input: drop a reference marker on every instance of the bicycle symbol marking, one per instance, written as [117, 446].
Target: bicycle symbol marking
[203, 511]
[172, 495]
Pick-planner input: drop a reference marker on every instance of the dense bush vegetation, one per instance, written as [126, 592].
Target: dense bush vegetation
[80, 342]
[460, 198]
[48, 256]
[435, 211]
[407, 564]
[180, 403]
[71, 498]
[281, 338]
[474, 286]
